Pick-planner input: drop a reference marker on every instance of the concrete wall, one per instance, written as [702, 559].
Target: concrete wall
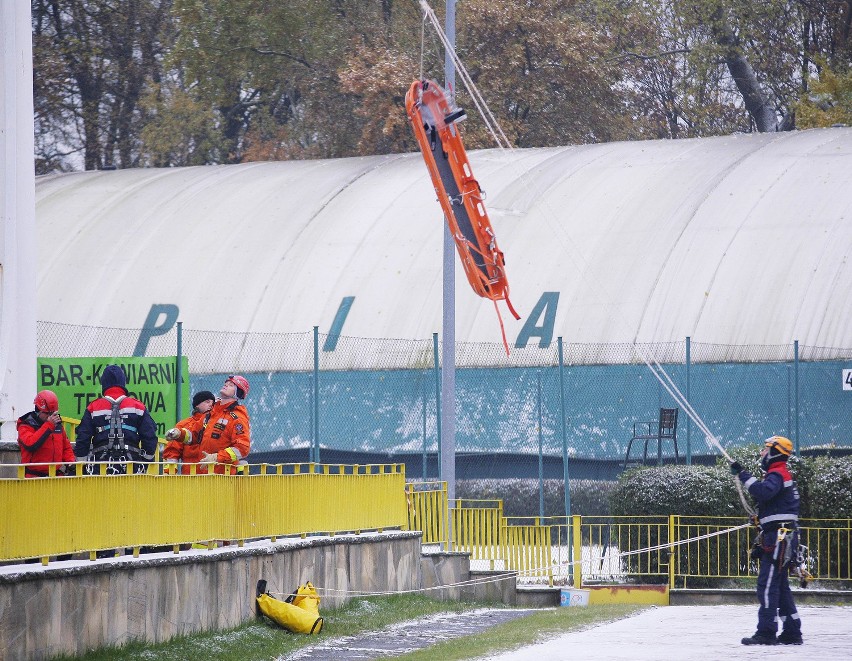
[72, 607]
[453, 569]
[10, 453]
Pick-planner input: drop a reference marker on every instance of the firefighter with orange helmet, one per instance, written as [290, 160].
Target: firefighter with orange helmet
[225, 439]
[778, 514]
[42, 437]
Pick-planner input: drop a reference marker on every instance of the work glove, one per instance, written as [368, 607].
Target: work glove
[209, 457]
[756, 552]
[173, 434]
[736, 468]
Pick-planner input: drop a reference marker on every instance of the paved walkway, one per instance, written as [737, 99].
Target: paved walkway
[696, 633]
[409, 636]
[673, 633]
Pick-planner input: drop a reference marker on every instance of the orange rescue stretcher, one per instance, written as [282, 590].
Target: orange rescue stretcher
[435, 127]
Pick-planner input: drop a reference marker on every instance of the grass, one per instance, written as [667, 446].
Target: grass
[262, 640]
[537, 627]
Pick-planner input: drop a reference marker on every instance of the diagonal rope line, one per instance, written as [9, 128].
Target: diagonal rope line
[479, 101]
[520, 572]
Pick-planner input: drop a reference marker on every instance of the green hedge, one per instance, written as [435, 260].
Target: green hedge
[521, 497]
[825, 484]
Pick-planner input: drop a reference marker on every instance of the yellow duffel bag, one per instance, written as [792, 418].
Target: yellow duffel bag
[289, 616]
[306, 597]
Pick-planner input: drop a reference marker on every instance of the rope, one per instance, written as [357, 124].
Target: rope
[522, 572]
[503, 143]
[478, 100]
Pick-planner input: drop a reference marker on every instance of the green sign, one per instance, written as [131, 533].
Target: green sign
[77, 382]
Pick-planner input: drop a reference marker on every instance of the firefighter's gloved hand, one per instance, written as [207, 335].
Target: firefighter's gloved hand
[756, 552]
[173, 434]
[209, 457]
[736, 468]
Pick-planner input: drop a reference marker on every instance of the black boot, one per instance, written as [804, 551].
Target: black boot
[760, 639]
[261, 589]
[790, 638]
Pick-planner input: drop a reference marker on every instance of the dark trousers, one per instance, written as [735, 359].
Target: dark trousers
[776, 599]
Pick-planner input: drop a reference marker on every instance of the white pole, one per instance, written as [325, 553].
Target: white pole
[17, 216]
[448, 353]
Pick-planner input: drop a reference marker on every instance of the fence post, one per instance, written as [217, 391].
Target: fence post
[540, 448]
[565, 476]
[316, 453]
[179, 371]
[796, 390]
[688, 401]
[789, 404]
[437, 400]
[425, 455]
[577, 550]
[671, 551]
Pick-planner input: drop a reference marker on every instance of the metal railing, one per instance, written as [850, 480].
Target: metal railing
[66, 515]
[681, 551]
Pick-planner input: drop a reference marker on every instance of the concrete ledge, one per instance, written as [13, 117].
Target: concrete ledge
[453, 569]
[707, 597]
[653, 595]
[492, 586]
[534, 596]
[71, 607]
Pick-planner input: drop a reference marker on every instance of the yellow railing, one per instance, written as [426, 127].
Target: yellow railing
[679, 550]
[52, 516]
[428, 511]
[476, 528]
[527, 549]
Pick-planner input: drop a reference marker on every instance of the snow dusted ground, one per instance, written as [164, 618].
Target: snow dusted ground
[693, 633]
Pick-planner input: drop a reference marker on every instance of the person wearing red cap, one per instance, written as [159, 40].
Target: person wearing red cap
[42, 437]
[225, 439]
[190, 453]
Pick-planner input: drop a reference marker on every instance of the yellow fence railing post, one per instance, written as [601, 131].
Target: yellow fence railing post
[671, 549]
[577, 550]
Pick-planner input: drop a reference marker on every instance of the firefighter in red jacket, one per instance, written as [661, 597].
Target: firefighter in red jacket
[42, 437]
[190, 453]
[225, 439]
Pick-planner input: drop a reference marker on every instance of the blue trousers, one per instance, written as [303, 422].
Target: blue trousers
[776, 599]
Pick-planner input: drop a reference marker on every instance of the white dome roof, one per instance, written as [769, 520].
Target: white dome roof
[743, 239]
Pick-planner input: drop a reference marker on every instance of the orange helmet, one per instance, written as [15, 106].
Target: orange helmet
[46, 402]
[780, 444]
[242, 385]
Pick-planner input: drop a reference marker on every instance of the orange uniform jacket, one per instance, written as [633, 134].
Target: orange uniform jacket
[189, 453]
[226, 433]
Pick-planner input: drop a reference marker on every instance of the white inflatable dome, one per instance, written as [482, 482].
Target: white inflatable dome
[743, 239]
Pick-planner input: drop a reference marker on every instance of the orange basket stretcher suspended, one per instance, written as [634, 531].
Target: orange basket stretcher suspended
[461, 198]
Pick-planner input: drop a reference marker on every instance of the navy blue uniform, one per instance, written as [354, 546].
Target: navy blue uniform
[778, 506]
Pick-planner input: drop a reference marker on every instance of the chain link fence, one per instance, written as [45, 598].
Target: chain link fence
[342, 399]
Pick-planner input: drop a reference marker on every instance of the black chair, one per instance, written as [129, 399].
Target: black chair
[663, 429]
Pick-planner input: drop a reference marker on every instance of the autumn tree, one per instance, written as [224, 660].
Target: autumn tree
[92, 61]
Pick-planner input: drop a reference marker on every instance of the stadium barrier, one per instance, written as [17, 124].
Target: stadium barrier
[78, 514]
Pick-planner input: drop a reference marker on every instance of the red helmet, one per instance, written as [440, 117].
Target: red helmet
[242, 385]
[46, 402]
